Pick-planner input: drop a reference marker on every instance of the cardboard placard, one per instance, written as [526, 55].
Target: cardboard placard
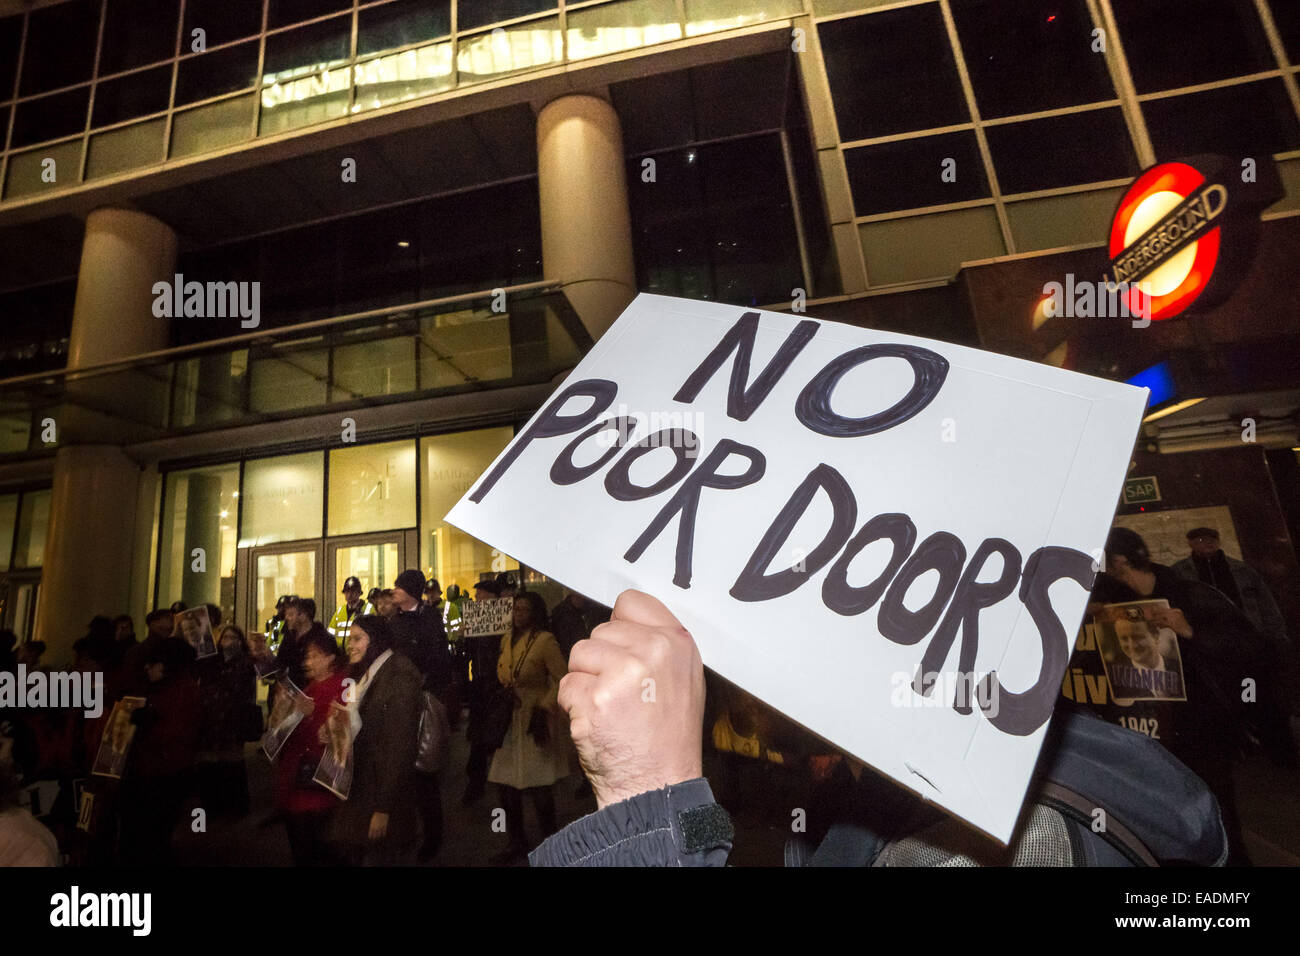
[485, 618]
[888, 539]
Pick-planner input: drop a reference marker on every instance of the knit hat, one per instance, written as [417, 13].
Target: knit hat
[412, 582]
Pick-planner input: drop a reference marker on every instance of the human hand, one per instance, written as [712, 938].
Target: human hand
[378, 826]
[634, 694]
[1172, 618]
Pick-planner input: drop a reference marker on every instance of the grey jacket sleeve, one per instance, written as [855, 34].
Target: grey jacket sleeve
[679, 825]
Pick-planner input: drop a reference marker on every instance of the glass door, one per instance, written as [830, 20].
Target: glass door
[375, 559]
[284, 569]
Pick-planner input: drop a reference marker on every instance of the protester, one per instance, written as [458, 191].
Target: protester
[531, 757]
[29, 654]
[24, 840]
[159, 770]
[418, 633]
[124, 636]
[351, 609]
[299, 621]
[1219, 649]
[385, 605]
[481, 655]
[1246, 588]
[231, 717]
[308, 807]
[8, 641]
[377, 824]
[573, 620]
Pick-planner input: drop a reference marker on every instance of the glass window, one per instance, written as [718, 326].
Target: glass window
[910, 173]
[1172, 43]
[127, 147]
[221, 21]
[136, 94]
[60, 48]
[137, 33]
[1030, 55]
[290, 377]
[929, 247]
[200, 511]
[8, 518]
[892, 72]
[401, 23]
[462, 347]
[1286, 15]
[538, 43]
[1250, 119]
[212, 74]
[308, 84]
[283, 499]
[1075, 219]
[32, 523]
[479, 13]
[717, 224]
[595, 31]
[50, 117]
[27, 171]
[372, 487]
[213, 126]
[1051, 152]
[450, 465]
[826, 8]
[705, 16]
[395, 77]
[15, 430]
[281, 13]
[308, 49]
[11, 32]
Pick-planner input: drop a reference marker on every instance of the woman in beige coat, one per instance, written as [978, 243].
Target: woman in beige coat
[533, 755]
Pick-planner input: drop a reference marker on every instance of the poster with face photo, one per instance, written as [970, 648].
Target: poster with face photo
[1141, 658]
[110, 760]
[290, 706]
[193, 625]
[334, 772]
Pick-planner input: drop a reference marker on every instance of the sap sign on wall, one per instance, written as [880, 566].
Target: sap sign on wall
[890, 540]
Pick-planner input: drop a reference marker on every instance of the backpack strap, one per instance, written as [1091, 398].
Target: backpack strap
[1115, 833]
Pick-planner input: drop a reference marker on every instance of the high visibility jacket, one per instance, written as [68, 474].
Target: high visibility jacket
[274, 633]
[340, 624]
[451, 615]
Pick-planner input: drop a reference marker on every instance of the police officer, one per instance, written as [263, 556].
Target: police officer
[352, 608]
[275, 626]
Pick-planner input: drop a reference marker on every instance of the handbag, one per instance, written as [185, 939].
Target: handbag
[499, 710]
[435, 736]
[539, 727]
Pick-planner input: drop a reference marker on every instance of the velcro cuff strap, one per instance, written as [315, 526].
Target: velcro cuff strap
[704, 828]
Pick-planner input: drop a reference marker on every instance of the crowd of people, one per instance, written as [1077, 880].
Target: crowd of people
[392, 674]
[385, 682]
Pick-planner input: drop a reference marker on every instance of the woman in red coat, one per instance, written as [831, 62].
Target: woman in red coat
[307, 806]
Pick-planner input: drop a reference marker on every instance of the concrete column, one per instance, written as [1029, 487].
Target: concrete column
[91, 536]
[586, 226]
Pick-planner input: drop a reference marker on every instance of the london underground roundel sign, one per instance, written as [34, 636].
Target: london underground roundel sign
[1165, 238]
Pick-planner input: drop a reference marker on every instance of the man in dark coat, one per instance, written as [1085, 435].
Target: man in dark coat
[418, 633]
[1224, 669]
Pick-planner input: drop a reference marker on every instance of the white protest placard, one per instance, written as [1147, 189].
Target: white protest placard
[485, 618]
[890, 540]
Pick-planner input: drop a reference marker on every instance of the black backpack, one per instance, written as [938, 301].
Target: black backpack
[1102, 795]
